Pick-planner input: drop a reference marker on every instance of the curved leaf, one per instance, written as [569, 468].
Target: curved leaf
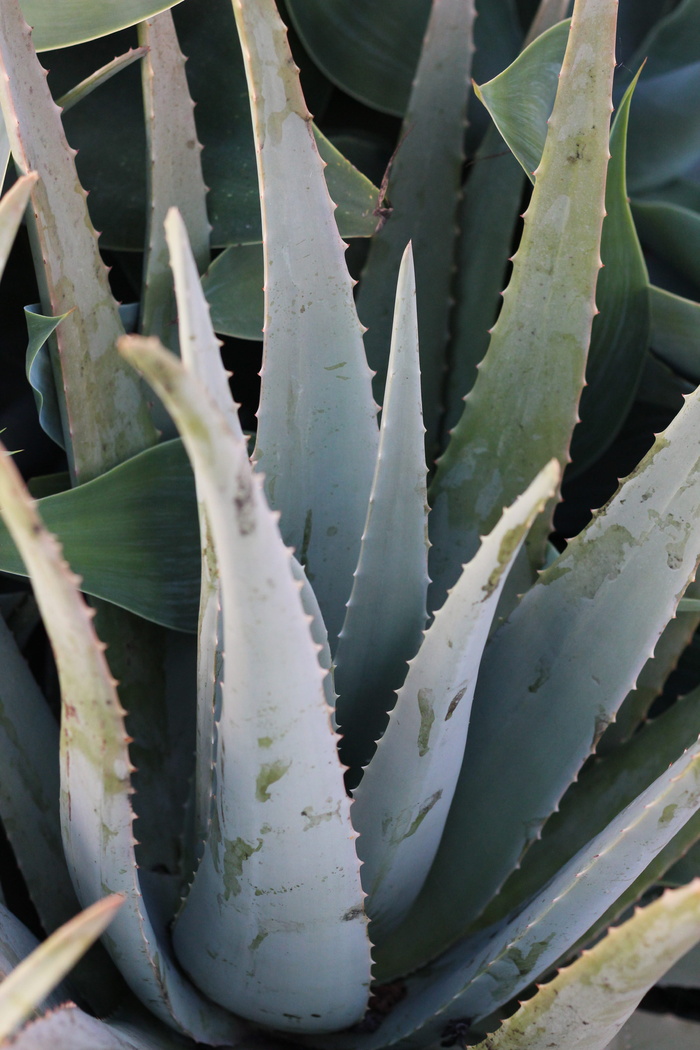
[383, 624]
[672, 232]
[105, 416]
[405, 794]
[371, 52]
[521, 98]
[96, 812]
[508, 431]
[76, 20]
[246, 907]
[603, 988]
[317, 435]
[541, 704]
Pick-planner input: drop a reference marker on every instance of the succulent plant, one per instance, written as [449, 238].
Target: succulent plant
[329, 713]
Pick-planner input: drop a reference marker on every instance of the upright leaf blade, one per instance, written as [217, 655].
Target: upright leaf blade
[96, 812]
[603, 988]
[246, 907]
[404, 797]
[317, 438]
[385, 620]
[105, 415]
[508, 430]
[541, 702]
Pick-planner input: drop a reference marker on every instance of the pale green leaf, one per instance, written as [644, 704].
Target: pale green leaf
[404, 797]
[541, 702]
[201, 354]
[317, 436]
[480, 974]
[275, 749]
[70, 1028]
[96, 812]
[31, 981]
[105, 415]
[602, 790]
[585, 1006]
[509, 429]
[386, 612]
[424, 188]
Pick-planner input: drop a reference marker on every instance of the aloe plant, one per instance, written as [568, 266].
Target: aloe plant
[330, 711]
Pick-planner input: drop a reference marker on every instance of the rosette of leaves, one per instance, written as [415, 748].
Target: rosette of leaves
[393, 824]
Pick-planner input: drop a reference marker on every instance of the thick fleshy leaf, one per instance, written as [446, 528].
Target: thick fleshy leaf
[70, 1028]
[603, 789]
[675, 331]
[201, 354]
[674, 640]
[22, 991]
[386, 612]
[544, 327]
[405, 794]
[112, 154]
[482, 973]
[317, 436]
[105, 415]
[96, 812]
[77, 21]
[489, 211]
[174, 172]
[603, 988]
[541, 705]
[132, 534]
[246, 907]
[424, 188]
